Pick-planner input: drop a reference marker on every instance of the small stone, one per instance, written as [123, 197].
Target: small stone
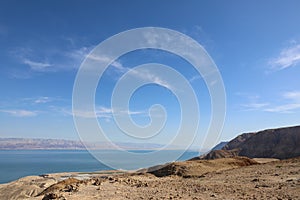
[51, 196]
[97, 182]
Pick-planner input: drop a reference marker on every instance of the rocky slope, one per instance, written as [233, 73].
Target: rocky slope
[281, 143]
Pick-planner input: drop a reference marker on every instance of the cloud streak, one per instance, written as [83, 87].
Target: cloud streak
[20, 113]
[70, 59]
[255, 106]
[288, 57]
[140, 74]
[287, 108]
[37, 66]
[42, 100]
[101, 112]
[290, 104]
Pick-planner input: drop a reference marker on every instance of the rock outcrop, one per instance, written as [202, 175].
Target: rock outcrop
[197, 168]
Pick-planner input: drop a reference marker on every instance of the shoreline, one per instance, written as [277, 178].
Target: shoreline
[228, 178]
[19, 163]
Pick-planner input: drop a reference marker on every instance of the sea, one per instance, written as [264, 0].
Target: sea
[15, 164]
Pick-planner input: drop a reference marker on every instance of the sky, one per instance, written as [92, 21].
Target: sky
[254, 44]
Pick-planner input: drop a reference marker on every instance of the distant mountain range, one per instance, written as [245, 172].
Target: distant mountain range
[279, 143]
[28, 143]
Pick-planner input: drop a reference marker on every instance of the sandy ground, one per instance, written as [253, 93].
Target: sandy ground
[230, 178]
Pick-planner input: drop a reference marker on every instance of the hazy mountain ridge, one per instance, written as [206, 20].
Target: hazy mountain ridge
[32, 143]
[29, 143]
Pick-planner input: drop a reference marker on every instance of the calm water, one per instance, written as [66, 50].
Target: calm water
[15, 164]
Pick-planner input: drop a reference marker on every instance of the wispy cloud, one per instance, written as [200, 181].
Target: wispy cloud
[37, 66]
[287, 108]
[292, 103]
[254, 101]
[41, 100]
[140, 74]
[294, 95]
[38, 100]
[254, 106]
[289, 103]
[20, 113]
[58, 60]
[288, 57]
[101, 112]
[47, 60]
[151, 77]
[55, 61]
[78, 54]
[107, 59]
[194, 78]
[30, 106]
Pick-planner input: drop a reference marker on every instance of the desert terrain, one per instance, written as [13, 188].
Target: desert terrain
[224, 178]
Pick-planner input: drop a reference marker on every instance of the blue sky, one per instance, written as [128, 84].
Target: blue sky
[255, 44]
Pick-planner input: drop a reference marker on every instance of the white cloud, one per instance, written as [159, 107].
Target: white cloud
[102, 112]
[50, 60]
[294, 95]
[254, 102]
[255, 106]
[289, 103]
[153, 78]
[194, 78]
[292, 104]
[76, 56]
[20, 113]
[38, 66]
[104, 58]
[42, 100]
[143, 75]
[287, 108]
[288, 57]
[38, 100]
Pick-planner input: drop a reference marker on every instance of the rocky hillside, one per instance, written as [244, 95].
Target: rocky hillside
[279, 143]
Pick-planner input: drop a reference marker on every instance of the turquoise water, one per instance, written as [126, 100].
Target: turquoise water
[15, 164]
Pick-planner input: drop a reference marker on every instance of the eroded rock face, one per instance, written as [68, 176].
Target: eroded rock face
[68, 185]
[219, 154]
[198, 168]
[170, 169]
[238, 141]
[279, 143]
